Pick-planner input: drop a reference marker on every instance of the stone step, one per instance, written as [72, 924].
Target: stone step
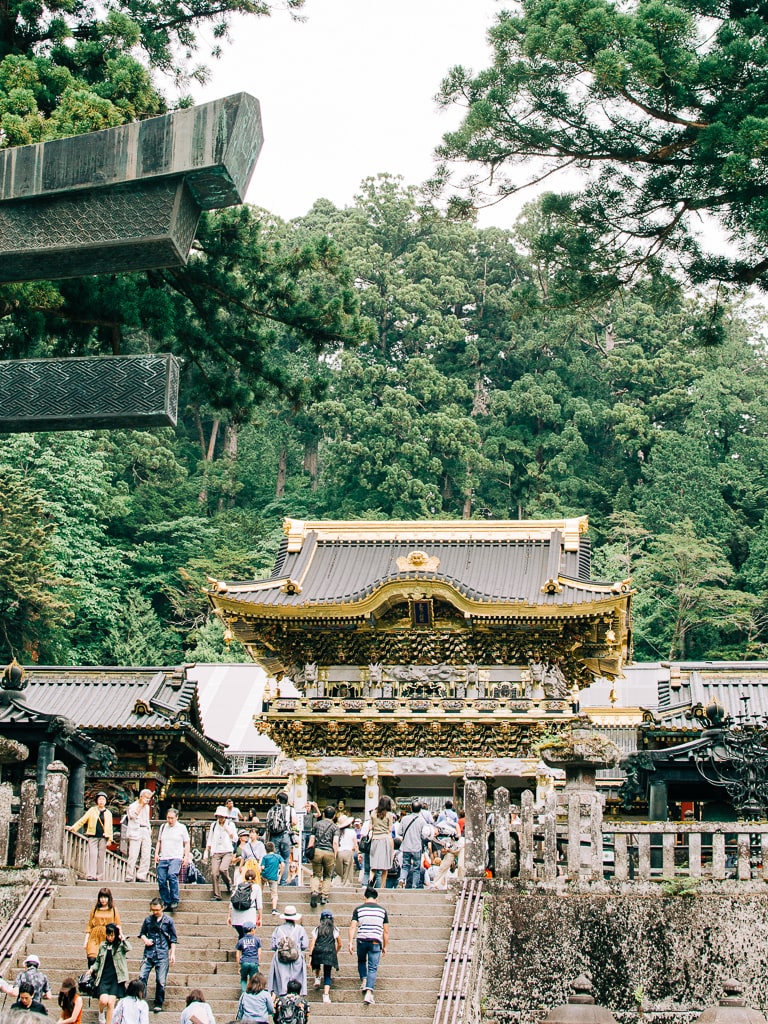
[416, 1014]
[400, 962]
[407, 988]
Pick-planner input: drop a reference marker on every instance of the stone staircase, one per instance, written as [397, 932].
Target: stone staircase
[406, 988]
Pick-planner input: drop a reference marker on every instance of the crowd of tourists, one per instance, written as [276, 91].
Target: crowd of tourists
[412, 849]
[279, 998]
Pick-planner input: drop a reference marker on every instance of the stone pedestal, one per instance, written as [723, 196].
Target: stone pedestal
[25, 833]
[6, 795]
[475, 830]
[54, 816]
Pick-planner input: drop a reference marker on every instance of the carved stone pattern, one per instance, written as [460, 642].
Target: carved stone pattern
[116, 229]
[405, 738]
[75, 394]
[94, 217]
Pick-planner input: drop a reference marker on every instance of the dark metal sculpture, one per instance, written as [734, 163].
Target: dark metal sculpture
[735, 758]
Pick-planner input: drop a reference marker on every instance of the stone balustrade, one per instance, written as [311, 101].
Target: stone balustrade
[567, 838]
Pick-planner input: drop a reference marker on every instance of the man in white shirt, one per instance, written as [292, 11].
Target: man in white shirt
[220, 845]
[138, 832]
[171, 852]
[233, 812]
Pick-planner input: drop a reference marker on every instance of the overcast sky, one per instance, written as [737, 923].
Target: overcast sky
[350, 93]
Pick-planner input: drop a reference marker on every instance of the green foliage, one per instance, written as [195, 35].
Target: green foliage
[661, 103]
[411, 367]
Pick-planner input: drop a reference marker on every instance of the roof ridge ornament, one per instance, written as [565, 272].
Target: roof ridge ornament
[418, 561]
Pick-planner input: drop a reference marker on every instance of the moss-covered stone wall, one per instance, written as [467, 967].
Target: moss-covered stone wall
[14, 883]
[654, 954]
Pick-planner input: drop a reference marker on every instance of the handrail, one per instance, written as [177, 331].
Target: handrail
[451, 999]
[22, 917]
[76, 857]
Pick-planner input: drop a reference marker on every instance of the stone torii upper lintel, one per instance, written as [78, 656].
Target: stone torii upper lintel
[125, 198]
[122, 199]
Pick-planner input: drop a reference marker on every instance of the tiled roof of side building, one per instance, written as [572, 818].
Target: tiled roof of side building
[686, 688]
[114, 699]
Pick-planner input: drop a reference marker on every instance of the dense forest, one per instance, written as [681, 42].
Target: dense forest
[389, 359]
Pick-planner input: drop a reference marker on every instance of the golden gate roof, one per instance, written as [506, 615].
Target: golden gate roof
[484, 568]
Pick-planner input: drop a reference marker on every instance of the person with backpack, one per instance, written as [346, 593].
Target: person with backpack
[324, 946]
[245, 904]
[222, 836]
[256, 1002]
[325, 843]
[292, 1008]
[289, 941]
[250, 853]
[280, 822]
[413, 832]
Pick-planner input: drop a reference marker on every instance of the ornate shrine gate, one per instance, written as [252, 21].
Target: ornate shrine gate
[420, 647]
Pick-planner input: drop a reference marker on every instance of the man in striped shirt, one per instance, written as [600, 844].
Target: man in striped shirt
[369, 937]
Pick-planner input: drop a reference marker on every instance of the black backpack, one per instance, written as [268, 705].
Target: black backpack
[277, 820]
[290, 1009]
[242, 897]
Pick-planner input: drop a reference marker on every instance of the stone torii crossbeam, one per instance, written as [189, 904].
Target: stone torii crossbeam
[122, 199]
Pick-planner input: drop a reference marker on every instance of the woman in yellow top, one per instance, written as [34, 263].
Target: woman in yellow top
[98, 832]
[105, 912]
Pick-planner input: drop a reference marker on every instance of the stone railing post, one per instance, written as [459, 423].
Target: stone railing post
[502, 861]
[54, 816]
[475, 829]
[25, 832]
[6, 796]
[527, 865]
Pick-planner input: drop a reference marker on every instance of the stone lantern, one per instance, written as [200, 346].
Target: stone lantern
[732, 1008]
[580, 1008]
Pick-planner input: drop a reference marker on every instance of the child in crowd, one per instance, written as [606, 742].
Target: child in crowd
[247, 955]
[324, 946]
[271, 866]
[287, 1005]
[255, 1003]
